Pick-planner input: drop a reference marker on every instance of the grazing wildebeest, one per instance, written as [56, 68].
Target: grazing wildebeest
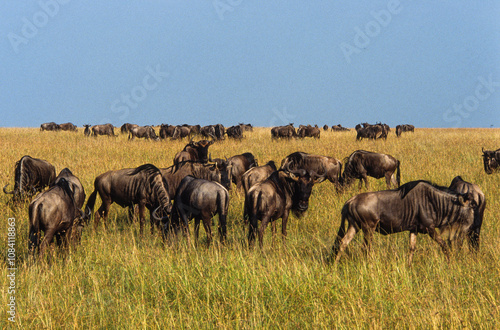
[287, 131]
[377, 131]
[181, 132]
[57, 212]
[361, 164]
[404, 128]
[68, 127]
[105, 129]
[50, 127]
[146, 132]
[330, 166]
[31, 175]
[202, 200]
[86, 131]
[127, 127]
[194, 151]
[257, 174]
[173, 175]
[308, 131]
[273, 198]
[491, 160]
[339, 128]
[235, 132]
[143, 186]
[417, 207]
[464, 187]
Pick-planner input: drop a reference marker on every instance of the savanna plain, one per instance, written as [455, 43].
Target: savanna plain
[116, 279]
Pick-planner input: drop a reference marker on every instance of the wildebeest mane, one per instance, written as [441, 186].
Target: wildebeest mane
[407, 187]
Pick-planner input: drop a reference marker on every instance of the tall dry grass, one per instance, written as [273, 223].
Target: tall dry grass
[117, 279]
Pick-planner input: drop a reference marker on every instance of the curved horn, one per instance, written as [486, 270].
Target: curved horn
[210, 158]
[157, 218]
[7, 192]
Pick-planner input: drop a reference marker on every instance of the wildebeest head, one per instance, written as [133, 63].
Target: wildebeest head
[491, 160]
[201, 148]
[303, 182]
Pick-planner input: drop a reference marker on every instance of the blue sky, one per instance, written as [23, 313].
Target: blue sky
[427, 63]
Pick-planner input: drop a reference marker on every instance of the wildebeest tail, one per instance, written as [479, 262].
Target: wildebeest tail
[89, 208]
[398, 174]
[341, 232]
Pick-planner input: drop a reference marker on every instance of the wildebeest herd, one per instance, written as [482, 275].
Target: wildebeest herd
[196, 187]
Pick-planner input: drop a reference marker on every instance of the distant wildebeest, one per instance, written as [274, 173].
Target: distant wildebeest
[86, 131]
[287, 131]
[235, 132]
[202, 200]
[194, 151]
[308, 131]
[68, 127]
[404, 128]
[377, 131]
[213, 131]
[257, 174]
[166, 131]
[246, 127]
[273, 198]
[325, 127]
[50, 127]
[339, 128]
[127, 127]
[57, 212]
[105, 129]
[361, 164]
[181, 132]
[329, 166]
[491, 160]
[143, 186]
[417, 207]
[173, 175]
[464, 187]
[31, 176]
[146, 132]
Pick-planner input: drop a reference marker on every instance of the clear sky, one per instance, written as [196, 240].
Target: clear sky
[428, 63]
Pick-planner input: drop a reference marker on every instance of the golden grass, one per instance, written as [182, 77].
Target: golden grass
[116, 279]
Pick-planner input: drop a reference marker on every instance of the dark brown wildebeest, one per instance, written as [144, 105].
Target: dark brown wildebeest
[166, 131]
[208, 131]
[377, 131]
[404, 128]
[257, 174]
[143, 186]
[417, 207]
[329, 166]
[325, 127]
[361, 164]
[339, 128]
[273, 198]
[194, 151]
[181, 132]
[105, 129]
[173, 175]
[287, 131]
[31, 175]
[491, 160]
[246, 127]
[202, 200]
[146, 132]
[464, 187]
[239, 165]
[86, 131]
[57, 212]
[308, 131]
[235, 132]
[127, 127]
[68, 127]
[50, 127]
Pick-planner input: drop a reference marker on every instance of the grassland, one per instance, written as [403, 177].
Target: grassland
[117, 279]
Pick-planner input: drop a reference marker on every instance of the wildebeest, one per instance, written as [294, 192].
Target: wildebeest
[104, 129]
[202, 200]
[213, 131]
[86, 131]
[31, 175]
[143, 186]
[194, 151]
[147, 132]
[491, 160]
[257, 174]
[57, 212]
[308, 131]
[239, 165]
[273, 198]
[404, 128]
[377, 131]
[287, 131]
[181, 132]
[417, 207]
[329, 166]
[50, 127]
[361, 164]
[173, 175]
[464, 187]
[339, 128]
[325, 127]
[246, 127]
[166, 131]
[68, 127]
[127, 127]
[235, 132]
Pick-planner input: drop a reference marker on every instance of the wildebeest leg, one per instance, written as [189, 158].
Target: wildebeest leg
[102, 212]
[34, 241]
[389, 178]
[284, 222]
[365, 178]
[142, 220]
[368, 237]
[197, 229]
[351, 232]
[222, 227]
[263, 225]
[131, 213]
[47, 239]
[207, 221]
[413, 246]
[435, 236]
[252, 228]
